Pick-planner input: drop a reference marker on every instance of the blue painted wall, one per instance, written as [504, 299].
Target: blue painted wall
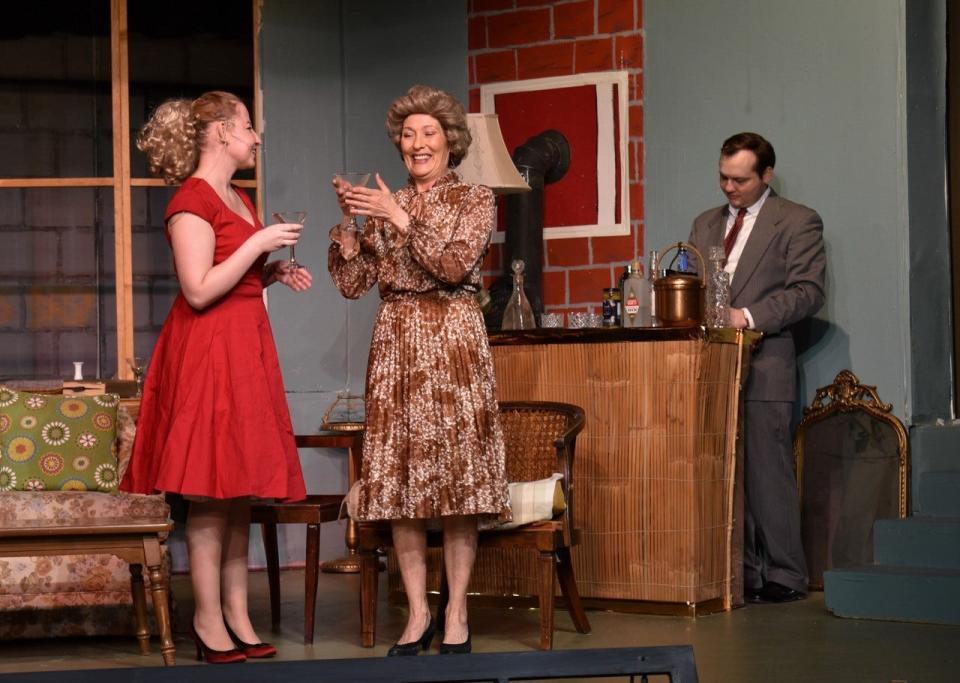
[827, 83]
[329, 71]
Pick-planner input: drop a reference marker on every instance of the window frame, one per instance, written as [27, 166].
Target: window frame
[122, 182]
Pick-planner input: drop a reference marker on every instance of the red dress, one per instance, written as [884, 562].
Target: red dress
[213, 419]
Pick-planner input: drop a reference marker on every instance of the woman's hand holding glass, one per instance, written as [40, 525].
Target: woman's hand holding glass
[298, 279]
[379, 203]
[279, 235]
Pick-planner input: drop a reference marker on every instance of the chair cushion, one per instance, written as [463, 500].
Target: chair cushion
[72, 508]
[50, 442]
[533, 501]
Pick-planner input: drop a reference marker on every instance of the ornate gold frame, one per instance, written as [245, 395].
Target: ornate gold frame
[846, 394]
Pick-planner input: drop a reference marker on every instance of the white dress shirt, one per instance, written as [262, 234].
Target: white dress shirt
[749, 219]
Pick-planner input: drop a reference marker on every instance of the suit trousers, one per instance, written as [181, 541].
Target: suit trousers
[772, 544]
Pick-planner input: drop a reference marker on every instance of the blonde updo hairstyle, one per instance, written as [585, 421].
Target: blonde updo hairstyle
[444, 107]
[178, 129]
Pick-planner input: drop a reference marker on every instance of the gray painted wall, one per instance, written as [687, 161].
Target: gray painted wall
[931, 324]
[824, 81]
[329, 71]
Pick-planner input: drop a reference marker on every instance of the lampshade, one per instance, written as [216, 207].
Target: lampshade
[488, 162]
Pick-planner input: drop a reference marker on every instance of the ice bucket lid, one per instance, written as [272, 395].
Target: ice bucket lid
[678, 282]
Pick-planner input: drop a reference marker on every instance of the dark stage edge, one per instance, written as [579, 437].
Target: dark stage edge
[675, 661]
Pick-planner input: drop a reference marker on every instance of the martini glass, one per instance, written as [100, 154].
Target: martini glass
[138, 364]
[353, 179]
[291, 217]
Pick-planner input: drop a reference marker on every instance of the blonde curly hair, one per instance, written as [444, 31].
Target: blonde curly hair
[441, 105]
[178, 128]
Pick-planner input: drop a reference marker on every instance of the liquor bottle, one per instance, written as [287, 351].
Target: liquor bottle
[624, 275]
[518, 315]
[636, 298]
[718, 290]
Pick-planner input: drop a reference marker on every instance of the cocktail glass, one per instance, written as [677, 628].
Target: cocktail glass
[354, 179]
[291, 217]
[138, 364]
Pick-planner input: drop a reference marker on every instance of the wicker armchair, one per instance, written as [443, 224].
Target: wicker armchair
[540, 439]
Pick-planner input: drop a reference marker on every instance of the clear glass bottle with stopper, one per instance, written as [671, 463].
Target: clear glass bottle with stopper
[652, 276]
[717, 312]
[518, 315]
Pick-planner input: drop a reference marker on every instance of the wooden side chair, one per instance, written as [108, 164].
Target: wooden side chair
[313, 512]
[540, 439]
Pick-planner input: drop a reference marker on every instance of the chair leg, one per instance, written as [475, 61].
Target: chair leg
[369, 576]
[547, 572]
[139, 594]
[269, 533]
[568, 586]
[310, 579]
[443, 599]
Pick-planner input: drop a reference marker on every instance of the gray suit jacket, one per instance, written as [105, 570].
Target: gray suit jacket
[780, 278]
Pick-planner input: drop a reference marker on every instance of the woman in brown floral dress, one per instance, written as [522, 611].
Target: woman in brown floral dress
[433, 446]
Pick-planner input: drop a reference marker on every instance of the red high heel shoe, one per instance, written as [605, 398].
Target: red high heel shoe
[252, 650]
[210, 656]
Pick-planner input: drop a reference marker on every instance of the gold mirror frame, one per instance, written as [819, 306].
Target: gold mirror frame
[847, 394]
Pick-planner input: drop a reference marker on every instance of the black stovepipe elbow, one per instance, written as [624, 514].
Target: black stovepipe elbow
[541, 160]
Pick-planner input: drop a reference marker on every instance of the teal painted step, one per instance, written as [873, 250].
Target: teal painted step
[939, 493]
[932, 542]
[918, 594]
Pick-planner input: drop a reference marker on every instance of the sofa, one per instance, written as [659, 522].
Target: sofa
[72, 595]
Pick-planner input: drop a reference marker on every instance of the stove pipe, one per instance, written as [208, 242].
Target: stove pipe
[541, 160]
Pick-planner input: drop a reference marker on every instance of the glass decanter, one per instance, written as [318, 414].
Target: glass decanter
[717, 312]
[518, 315]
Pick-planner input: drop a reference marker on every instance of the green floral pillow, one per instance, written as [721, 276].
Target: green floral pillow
[53, 442]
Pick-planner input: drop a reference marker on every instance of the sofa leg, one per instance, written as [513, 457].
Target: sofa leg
[160, 590]
[139, 594]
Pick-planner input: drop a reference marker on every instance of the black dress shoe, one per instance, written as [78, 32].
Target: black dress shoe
[456, 648]
[776, 592]
[414, 647]
[752, 594]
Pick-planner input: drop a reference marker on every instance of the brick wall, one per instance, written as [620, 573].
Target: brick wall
[519, 39]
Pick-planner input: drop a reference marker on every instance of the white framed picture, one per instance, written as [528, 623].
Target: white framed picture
[590, 110]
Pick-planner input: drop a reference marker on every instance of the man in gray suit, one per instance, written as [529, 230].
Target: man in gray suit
[777, 262]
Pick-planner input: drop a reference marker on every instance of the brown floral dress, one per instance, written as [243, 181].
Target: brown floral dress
[433, 444]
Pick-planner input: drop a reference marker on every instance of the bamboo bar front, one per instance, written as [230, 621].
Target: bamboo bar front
[655, 464]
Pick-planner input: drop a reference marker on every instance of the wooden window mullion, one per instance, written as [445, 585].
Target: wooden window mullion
[123, 236]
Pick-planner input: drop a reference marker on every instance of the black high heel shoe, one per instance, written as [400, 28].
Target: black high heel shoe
[251, 650]
[463, 648]
[211, 656]
[414, 647]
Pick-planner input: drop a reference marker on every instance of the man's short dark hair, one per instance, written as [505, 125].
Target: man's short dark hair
[753, 142]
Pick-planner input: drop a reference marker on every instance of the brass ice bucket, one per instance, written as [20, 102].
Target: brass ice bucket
[679, 297]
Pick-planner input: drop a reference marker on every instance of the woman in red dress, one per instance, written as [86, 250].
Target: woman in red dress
[214, 426]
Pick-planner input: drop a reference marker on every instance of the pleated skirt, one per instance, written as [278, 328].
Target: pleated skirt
[433, 445]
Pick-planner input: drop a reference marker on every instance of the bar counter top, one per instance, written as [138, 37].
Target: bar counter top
[598, 335]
